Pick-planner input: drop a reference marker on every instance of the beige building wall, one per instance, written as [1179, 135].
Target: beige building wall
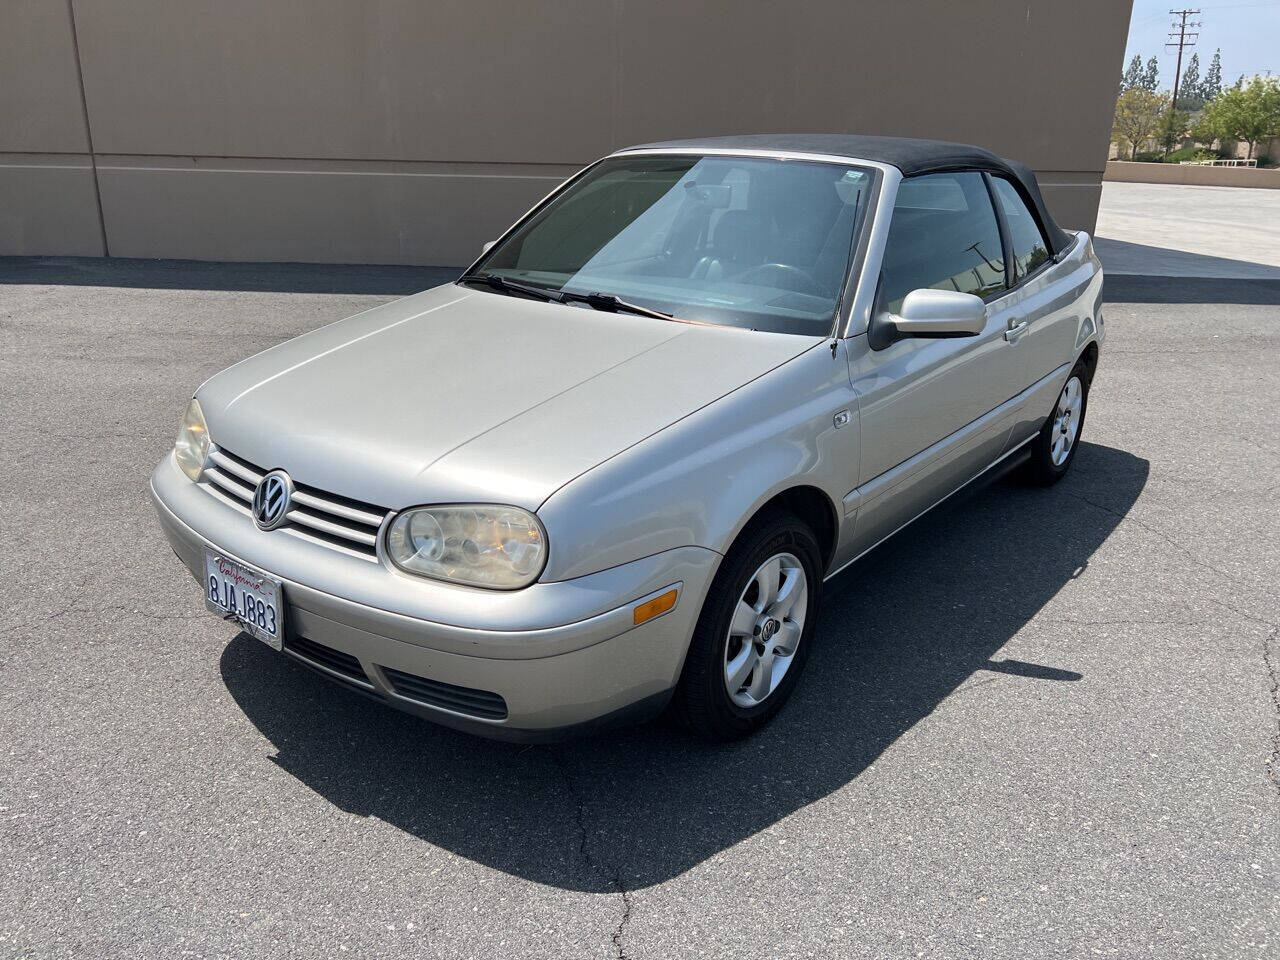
[48, 203]
[406, 131]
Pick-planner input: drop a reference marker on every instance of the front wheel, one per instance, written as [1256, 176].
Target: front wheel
[754, 634]
[1055, 447]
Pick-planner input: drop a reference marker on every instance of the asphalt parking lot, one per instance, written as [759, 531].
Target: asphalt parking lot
[1180, 230]
[1037, 724]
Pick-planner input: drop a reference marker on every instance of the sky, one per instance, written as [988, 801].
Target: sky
[1248, 31]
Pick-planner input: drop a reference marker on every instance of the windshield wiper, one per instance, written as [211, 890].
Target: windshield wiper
[612, 304]
[511, 286]
[598, 301]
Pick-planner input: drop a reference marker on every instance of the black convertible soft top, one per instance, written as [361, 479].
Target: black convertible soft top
[908, 155]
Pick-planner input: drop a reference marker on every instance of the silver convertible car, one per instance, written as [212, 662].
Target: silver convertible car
[608, 470]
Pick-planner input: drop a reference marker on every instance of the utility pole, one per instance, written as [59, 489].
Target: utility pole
[1183, 41]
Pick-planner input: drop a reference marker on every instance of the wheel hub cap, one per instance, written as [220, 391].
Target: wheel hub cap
[765, 629]
[1066, 421]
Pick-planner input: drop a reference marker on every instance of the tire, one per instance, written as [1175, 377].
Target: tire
[1054, 449]
[703, 699]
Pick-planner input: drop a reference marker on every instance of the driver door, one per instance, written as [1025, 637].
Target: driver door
[930, 407]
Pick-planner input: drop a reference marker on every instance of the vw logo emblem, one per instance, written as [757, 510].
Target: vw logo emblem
[271, 500]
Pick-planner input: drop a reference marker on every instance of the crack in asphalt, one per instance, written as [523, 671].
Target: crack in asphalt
[1138, 622]
[587, 857]
[71, 608]
[1273, 674]
[1252, 441]
[1242, 614]
[103, 611]
[1268, 657]
[1151, 528]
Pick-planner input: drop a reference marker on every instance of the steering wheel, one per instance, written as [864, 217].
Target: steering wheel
[782, 275]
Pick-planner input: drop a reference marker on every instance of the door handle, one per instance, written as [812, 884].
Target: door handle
[1017, 330]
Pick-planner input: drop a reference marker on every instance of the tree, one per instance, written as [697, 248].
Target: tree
[1248, 113]
[1189, 90]
[1211, 86]
[1137, 118]
[1132, 74]
[1173, 127]
[1151, 76]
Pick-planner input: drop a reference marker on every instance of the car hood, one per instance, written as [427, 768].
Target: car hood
[456, 395]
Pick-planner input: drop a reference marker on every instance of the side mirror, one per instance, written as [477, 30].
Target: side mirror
[488, 245]
[940, 313]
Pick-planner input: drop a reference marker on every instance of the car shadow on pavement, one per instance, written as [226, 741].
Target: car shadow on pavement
[901, 631]
[1139, 273]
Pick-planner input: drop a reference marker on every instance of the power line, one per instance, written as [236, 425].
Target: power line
[1183, 41]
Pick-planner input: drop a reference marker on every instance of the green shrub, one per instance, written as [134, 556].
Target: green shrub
[1192, 152]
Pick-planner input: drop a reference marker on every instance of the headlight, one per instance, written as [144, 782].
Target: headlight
[192, 447]
[476, 544]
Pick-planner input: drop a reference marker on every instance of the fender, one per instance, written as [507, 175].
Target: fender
[700, 480]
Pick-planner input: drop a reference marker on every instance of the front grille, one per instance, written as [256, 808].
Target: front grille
[346, 525]
[476, 703]
[335, 660]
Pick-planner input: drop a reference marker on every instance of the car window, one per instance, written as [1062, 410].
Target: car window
[597, 213]
[1029, 247]
[944, 236]
[742, 241]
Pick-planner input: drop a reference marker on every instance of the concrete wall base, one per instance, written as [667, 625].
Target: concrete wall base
[1123, 171]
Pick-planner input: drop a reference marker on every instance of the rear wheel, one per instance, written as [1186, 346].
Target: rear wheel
[1054, 448]
[754, 634]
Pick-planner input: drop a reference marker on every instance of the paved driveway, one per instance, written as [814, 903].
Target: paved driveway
[1039, 723]
[1175, 230]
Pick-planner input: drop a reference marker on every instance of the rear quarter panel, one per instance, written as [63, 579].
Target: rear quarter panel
[1063, 306]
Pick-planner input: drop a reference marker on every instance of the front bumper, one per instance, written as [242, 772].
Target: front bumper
[557, 656]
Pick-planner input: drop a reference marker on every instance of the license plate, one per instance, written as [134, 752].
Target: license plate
[246, 596]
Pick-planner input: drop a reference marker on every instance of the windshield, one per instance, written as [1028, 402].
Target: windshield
[739, 241]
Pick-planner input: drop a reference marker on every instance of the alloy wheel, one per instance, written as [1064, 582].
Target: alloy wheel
[1066, 421]
[765, 630]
